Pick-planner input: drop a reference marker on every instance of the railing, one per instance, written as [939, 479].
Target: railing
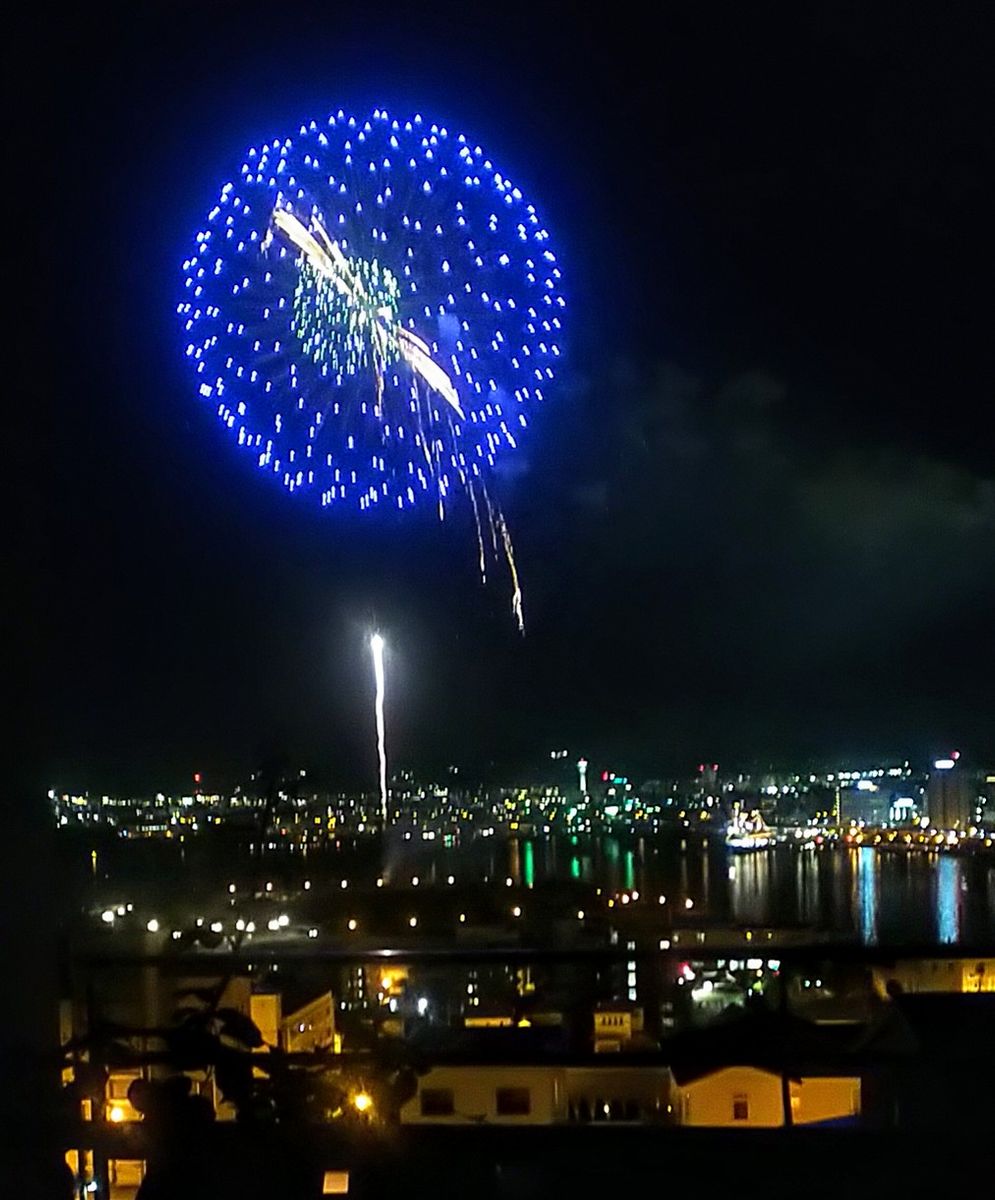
[909, 1033]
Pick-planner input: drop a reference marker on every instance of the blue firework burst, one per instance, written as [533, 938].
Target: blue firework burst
[373, 308]
[440, 243]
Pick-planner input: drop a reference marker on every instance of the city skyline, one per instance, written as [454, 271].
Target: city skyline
[555, 768]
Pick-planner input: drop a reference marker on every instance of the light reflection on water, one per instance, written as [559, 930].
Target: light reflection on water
[529, 871]
[868, 882]
[750, 888]
[875, 896]
[808, 888]
[949, 879]
[630, 870]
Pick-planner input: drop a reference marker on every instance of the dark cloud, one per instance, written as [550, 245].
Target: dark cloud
[766, 572]
[906, 537]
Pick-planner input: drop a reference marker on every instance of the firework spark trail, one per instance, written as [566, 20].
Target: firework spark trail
[422, 438]
[491, 518]
[480, 532]
[499, 526]
[377, 647]
[516, 592]
[430, 445]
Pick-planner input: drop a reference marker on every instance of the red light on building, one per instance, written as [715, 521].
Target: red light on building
[196, 777]
[604, 776]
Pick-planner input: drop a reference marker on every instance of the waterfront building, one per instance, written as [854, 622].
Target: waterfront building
[951, 795]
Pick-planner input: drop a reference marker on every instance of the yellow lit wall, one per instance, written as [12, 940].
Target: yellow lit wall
[553, 1092]
[126, 1175]
[978, 976]
[118, 1107]
[474, 1092]
[390, 981]
[264, 1009]
[825, 1098]
[714, 1099]
[613, 1027]
[311, 1027]
[649, 1087]
[938, 975]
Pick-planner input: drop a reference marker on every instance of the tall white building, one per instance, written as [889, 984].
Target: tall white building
[950, 795]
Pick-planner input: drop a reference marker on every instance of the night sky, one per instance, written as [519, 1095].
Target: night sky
[756, 520]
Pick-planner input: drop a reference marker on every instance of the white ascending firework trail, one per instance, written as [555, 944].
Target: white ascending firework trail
[376, 647]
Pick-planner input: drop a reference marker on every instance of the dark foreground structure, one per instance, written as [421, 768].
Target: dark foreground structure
[923, 1066]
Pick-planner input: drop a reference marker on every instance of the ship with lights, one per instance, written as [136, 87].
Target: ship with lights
[748, 831]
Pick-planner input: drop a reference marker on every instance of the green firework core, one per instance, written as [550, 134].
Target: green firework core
[349, 328]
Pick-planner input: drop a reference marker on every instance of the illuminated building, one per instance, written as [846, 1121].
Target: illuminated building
[265, 1010]
[751, 1098]
[488, 1018]
[732, 1097]
[312, 1027]
[354, 989]
[867, 803]
[540, 1095]
[933, 976]
[950, 795]
[616, 1026]
[709, 774]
